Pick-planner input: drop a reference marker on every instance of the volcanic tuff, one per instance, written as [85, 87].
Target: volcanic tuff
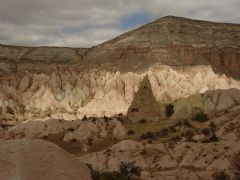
[37, 159]
[67, 95]
[19, 58]
[144, 105]
[102, 80]
[68, 130]
[72, 94]
[168, 161]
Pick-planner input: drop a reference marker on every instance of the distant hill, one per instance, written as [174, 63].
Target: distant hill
[174, 41]
[170, 40]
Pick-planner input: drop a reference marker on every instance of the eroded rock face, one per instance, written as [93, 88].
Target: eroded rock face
[19, 58]
[169, 41]
[168, 160]
[40, 160]
[72, 94]
[174, 41]
[226, 59]
[96, 129]
[47, 86]
[144, 105]
[212, 101]
[68, 131]
[228, 124]
[176, 54]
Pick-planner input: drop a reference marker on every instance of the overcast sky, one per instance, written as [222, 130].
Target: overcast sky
[84, 23]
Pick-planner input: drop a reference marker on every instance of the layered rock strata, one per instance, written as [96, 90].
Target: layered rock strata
[72, 94]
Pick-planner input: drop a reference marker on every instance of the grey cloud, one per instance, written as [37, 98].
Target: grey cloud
[85, 23]
[87, 38]
[214, 10]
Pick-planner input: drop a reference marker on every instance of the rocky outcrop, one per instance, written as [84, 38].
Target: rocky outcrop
[173, 41]
[168, 160]
[96, 129]
[43, 89]
[213, 101]
[69, 83]
[40, 160]
[72, 94]
[228, 124]
[144, 105]
[19, 58]
[68, 131]
[169, 40]
[225, 59]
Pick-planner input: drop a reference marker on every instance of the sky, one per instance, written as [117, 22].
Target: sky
[85, 23]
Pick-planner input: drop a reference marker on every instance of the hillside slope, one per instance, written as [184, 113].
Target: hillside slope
[174, 41]
[169, 40]
[20, 58]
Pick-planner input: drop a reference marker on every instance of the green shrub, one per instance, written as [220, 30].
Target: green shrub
[127, 171]
[106, 119]
[201, 117]
[150, 141]
[172, 128]
[162, 133]
[45, 137]
[143, 121]
[95, 174]
[206, 131]
[89, 141]
[236, 161]
[120, 118]
[214, 138]
[74, 140]
[144, 152]
[9, 110]
[147, 135]
[176, 139]
[84, 118]
[120, 114]
[143, 136]
[134, 110]
[221, 176]
[206, 141]
[70, 129]
[169, 110]
[130, 132]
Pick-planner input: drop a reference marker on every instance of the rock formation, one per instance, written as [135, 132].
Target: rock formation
[174, 41]
[81, 131]
[211, 102]
[169, 40]
[176, 54]
[90, 102]
[169, 161]
[144, 105]
[18, 58]
[71, 94]
[40, 160]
